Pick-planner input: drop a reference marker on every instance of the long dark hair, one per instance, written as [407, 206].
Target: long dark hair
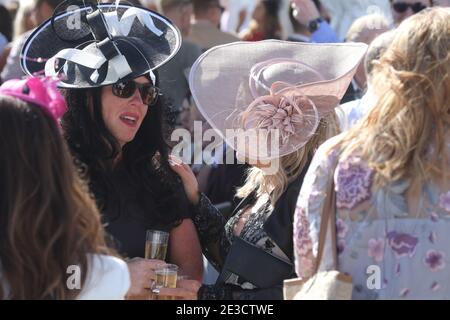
[47, 219]
[145, 158]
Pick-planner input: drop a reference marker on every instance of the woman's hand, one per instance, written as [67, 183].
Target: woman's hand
[142, 274]
[185, 290]
[188, 178]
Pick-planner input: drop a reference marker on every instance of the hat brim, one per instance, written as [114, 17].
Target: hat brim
[144, 50]
[219, 79]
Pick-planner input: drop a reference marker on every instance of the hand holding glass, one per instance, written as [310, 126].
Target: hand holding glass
[156, 245]
[166, 277]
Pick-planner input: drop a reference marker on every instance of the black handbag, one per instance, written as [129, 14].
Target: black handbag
[255, 265]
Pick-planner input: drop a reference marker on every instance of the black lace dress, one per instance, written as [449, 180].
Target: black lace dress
[128, 214]
[268, 227]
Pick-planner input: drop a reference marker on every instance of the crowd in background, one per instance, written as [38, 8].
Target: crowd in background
[389, 163]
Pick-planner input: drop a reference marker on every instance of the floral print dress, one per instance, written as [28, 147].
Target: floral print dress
[393, 240]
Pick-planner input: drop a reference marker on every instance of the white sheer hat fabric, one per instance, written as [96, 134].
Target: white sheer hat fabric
[279, 88]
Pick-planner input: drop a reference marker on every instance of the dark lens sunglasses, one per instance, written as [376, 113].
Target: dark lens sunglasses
[126, 89]
[401, 7]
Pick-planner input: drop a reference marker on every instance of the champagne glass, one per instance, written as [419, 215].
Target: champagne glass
[166, 277]
[156, 244]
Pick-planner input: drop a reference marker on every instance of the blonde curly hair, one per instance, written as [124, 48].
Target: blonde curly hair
[290, 166]
[403, 136]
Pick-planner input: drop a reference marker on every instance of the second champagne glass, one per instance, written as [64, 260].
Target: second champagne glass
[156, 244]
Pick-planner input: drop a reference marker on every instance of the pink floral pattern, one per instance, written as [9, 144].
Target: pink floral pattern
[432, 237]
[404, 292]
[435, 286]
[434, 260]
[341, 228]
[434, 217]
[444, 201]
[398, 269]
[376, 249]
[303, 243]
[288, 114]
[340, 246]
[374, 227]
[353, 184]
[402, 244]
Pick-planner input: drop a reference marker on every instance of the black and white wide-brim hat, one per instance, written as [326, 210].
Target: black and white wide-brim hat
[96, 45]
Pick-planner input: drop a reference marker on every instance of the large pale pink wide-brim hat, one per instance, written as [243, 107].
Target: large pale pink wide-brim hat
[272, 86]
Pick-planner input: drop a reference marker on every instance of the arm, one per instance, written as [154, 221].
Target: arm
[109, 279]
[185, 250]
[307, 216]
[207, 219]
[305, 12]
[210, 225]
[142, 274]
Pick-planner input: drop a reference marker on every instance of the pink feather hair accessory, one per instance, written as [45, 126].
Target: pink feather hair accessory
[41, 91]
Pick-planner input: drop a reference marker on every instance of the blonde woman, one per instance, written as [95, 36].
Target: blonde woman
[391, 178]
[281, 87]
[24, 20]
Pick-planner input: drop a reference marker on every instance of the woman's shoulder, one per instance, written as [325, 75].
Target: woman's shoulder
[108, 279]
[324, 156]
[330, 146]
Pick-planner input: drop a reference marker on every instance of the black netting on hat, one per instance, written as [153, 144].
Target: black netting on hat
[143, 48]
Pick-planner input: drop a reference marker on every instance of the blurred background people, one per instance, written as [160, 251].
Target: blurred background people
[5, 27]
[150, 4]
[441, 3]
[24, 20]
[205, 30]
[237, 15]
[265, 23]
[179, 12]
[21, 13]
[351, 112]
[174, 74]
[365, 29]
[402, 9]
[42, 10]
[344, 12]
[312, 23]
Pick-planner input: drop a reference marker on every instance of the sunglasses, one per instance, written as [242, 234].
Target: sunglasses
[126, 89]
[401, 7]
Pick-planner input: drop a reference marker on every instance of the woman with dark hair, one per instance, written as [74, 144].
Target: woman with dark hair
[49, 226]
[115, 129]
[265, 22]
[119, 143]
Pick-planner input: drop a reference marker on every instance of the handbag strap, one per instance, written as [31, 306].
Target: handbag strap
[328, 218]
